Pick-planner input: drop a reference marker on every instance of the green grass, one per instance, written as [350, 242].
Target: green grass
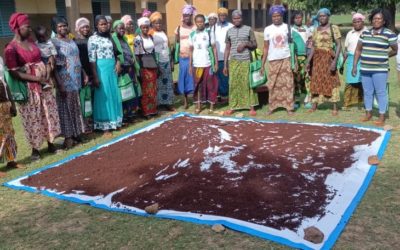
[33, 221]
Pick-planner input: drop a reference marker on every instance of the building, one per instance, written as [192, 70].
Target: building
[41, 11]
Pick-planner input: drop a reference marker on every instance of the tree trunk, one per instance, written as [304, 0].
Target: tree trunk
[391, 7]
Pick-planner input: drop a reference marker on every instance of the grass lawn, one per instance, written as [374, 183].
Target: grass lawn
[37, 222]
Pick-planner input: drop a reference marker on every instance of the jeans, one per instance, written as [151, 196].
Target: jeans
[375, 83]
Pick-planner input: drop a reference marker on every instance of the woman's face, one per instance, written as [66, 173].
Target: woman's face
[358, 24]
[157, 25]
[298, 20]
[145, 29]
[200, 23]
[129, 26]
[187, 19]
[378, 21]
[212, 21]
[277, 18]
[85, 30]
[120, 29]
[62, 29]
[25, 31]
[102, 26]
[323, 18]
[222, 17]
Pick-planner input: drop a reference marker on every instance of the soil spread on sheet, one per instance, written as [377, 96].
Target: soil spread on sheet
[272, 174]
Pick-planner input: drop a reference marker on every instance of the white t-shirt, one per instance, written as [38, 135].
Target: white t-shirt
[148, 45]
[398, 55]
[161, 46]
[220, 36]
[278, 41]
[352, 40]
[200, 41]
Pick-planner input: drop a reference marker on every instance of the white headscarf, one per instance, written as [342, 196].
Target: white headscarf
[80, 23]
[143, 21]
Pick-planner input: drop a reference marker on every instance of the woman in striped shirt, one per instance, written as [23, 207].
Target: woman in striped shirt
[374, 47]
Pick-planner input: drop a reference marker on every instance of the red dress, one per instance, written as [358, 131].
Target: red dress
[39, 115]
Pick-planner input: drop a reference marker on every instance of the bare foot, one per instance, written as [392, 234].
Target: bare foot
[107, 135]
[252, 113]
[228, 112]
[2, 174]
[335, 113]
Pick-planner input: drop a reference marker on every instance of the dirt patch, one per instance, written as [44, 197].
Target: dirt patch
[271, 174]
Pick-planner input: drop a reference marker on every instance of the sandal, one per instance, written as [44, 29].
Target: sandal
[211, 111]
[13, 164]
[366, 118]
[335, 113]
[379, 123]
[228, 112]
[252, 113]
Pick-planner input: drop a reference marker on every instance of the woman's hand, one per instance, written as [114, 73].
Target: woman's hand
[225, 71]
[354, 71]
[308, 67]
[333, 66]
[85, 79]
[216, 68]
[241, 47]
[96, 82]
[118, 68]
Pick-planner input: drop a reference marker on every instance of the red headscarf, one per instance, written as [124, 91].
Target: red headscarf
[17, 20]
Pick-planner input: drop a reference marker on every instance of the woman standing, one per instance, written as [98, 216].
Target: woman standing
[129, 32]
[145, 54]
[82, 28]
[165, 90]
[107, 107]
[374, 50]
[353, 93]
[325, 81]
[39, 114]
[130, 89]
[276, 49]
[68, 74]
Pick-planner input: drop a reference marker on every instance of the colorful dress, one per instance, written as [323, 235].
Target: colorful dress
[241, 96]
[69, 70]
[325, 84]
[39, 115]
[107, 102]
[148, 76]
[165, 89]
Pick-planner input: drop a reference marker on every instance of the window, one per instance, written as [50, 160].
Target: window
[152, 6]
[249, 6]
[259, 6]
[128, 8]
[6, 10]
[224, 4]
[61, 9]
[100, 7]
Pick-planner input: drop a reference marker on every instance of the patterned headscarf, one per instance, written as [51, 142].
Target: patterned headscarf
[17, 20]
[358, 16]
[222, 11]
[126, 19]
[155, 16]
[325, 11]
[277, 9]
[143, 21]
[81, 22]
[188, 10]
[146, 13]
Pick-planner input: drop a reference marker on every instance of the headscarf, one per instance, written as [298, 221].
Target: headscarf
[155, 16]
[109, 19]
[17, 20]
[81, 22]
[96, 22]
[222, 11]
[358, 16]
[237, 13]
[126, 19]
[116, 23]
[188, 9]
[146, 13]
[277, 9]
[143, 21]
[212, 15]
[57, 20]
[325, 11]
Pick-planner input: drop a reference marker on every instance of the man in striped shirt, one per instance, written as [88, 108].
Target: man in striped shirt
[374, 47]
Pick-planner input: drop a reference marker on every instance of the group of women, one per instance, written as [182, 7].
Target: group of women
[103, 79]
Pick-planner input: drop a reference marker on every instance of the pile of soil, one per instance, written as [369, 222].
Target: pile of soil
[271, 174]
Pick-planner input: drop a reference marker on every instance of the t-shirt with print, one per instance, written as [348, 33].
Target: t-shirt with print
[184, 32]
[375, 50]
[239, 35]
[143, 45]
[200, 41]
[277, 35]
[220, 30]
[161, 46]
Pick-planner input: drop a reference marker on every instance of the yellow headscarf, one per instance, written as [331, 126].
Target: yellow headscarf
[155, 16]
[222, 11]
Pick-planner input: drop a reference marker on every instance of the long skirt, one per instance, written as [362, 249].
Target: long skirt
[70, 113]
[353, 92]
[206, 86]
[325, 84]
[223, 81]
[185, 80]
[40, 117]
[149, 91]
[107, 103]
[8, 147]
[165, 89]
[241, 96]
[131, 107]
[301, 78]
[280, 85]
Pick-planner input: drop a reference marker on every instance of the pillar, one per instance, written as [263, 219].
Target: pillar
[264, 13]
[73, 12]
[143, 4]
[239, 4]
[253, 14]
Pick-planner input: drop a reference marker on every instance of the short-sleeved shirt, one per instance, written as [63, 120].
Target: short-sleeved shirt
[16, 56]
[236, 36]
[322, 39]
[161, 46]
[351, 41]
[47, 49]
[220, 30]
[375, 50]
[100, 48]
[200, 41]
[184, 33]
[277, 35]
[143, 45]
